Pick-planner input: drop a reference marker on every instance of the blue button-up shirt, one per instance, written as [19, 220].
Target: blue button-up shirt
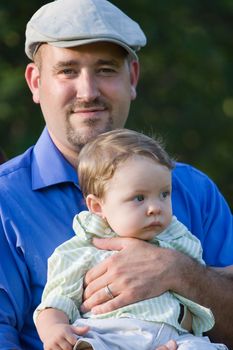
[39, 196]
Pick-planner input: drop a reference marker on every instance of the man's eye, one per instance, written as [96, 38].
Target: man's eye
[140, 198]
[107, 71]
[68, 71]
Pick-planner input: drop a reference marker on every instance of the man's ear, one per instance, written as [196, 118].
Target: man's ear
[32, 76]
[134, 76]
[94, 205]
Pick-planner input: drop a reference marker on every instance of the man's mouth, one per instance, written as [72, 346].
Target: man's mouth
[91, 112]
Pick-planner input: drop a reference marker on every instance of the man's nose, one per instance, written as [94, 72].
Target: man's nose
[87, 88]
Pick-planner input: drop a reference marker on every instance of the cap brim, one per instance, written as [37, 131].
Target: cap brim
[75, 43]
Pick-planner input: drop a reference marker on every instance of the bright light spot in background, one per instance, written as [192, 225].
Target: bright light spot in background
[228, 107]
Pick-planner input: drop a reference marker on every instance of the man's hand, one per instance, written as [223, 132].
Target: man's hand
[138, 271]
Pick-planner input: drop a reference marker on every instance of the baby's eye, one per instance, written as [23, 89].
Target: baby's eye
[165, 194]
[140, 198]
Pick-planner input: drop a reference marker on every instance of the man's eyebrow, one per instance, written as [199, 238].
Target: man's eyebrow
[62, 64]
[98, 62]
[111, 62]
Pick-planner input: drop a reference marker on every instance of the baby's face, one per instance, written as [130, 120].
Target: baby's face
[137, 202]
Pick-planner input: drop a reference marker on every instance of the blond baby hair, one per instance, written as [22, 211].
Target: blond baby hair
[100, 157]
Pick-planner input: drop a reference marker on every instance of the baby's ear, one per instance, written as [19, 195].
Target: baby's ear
[94, 205]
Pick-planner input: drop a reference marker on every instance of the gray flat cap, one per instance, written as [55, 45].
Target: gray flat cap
[70, 23]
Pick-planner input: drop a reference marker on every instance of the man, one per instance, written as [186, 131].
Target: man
[84, 76]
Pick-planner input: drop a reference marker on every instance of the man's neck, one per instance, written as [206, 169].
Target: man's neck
[69, 154]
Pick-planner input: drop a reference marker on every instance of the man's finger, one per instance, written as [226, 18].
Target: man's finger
[95, 272]
[96, 298]
[109, 306]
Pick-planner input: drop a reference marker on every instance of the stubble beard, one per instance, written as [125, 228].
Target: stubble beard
[78, 138]
[92, 127]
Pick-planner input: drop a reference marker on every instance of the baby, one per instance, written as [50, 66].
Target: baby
[125, 177]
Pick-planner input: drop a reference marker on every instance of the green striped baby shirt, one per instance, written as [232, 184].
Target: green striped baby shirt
[70, 261]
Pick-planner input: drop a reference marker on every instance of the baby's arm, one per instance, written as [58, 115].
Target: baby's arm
[62, 296]
[55, 331]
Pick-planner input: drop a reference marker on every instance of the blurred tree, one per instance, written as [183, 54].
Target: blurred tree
[186, 89]
[2, 156]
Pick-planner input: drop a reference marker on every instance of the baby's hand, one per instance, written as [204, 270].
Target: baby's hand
[62, 336]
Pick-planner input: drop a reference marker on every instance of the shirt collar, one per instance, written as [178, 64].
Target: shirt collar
[48, 166]
[87, 225]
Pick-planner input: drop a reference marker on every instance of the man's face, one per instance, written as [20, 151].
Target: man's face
[83, 91]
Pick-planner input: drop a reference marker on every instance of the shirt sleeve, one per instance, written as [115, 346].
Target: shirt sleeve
[15, 295]
[200, 206]
[218, 227]
[66, 269]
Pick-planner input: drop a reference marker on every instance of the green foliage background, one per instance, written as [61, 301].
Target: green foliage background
[186, 89]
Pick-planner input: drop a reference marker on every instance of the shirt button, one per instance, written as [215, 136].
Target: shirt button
[108, 231]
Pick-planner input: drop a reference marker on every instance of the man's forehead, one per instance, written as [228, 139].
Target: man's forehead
[104, 47]
[97, 51]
